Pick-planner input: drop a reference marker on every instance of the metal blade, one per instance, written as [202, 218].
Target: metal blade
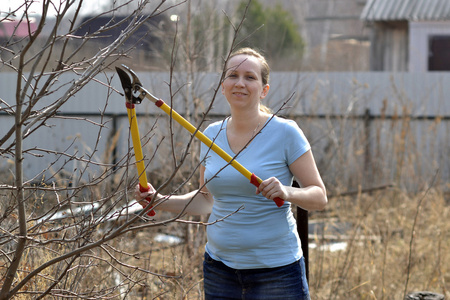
[126, 84]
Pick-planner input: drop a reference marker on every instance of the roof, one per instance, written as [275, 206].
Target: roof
[145, 37]
[410, 10]
[19, 29]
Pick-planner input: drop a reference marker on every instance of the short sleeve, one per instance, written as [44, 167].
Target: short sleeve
[296, 143]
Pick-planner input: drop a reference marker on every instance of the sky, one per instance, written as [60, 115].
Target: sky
[36, 6]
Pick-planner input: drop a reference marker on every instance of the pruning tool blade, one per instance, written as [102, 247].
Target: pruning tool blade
[132, 87]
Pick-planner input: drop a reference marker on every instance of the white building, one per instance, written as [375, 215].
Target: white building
[409, 35]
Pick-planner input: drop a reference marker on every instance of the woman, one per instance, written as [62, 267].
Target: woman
[254, 253]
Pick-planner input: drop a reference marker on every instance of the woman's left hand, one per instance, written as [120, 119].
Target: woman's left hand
[272, 188]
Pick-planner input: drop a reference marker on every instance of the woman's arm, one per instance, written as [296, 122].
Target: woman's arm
[201, 204]
[312, 194]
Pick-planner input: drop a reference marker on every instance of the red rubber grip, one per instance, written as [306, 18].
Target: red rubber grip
[151, 212]
[254, 180]
[278, 201]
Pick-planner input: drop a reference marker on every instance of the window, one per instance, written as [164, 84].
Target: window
[439, 53]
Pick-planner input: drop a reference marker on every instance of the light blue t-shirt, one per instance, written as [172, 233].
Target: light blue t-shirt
[261, 235]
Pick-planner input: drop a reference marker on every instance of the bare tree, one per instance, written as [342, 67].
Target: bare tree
[55, 233]
[38, 61]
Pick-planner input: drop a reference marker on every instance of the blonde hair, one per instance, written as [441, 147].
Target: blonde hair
[265, 69]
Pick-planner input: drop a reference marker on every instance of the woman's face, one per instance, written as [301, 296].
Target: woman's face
[243, 85]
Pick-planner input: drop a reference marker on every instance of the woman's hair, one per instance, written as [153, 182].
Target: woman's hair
[265, 69]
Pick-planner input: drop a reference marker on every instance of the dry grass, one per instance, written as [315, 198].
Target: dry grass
[382, 269]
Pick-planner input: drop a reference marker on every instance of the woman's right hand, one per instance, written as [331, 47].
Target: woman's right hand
[144, 197]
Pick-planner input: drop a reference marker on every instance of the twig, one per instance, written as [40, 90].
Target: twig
[413, 233]
[362, 191]
[211, 223]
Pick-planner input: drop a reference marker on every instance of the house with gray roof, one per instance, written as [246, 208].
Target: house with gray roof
[408, 35]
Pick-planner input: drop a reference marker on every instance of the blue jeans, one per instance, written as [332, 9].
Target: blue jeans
[286, 283]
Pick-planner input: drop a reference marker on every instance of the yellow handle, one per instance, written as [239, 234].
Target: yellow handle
[137, 145]
[138, 151]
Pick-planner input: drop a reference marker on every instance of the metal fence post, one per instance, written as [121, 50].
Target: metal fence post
[302, 229]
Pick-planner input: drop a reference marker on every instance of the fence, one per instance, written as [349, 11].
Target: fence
[365, 128]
